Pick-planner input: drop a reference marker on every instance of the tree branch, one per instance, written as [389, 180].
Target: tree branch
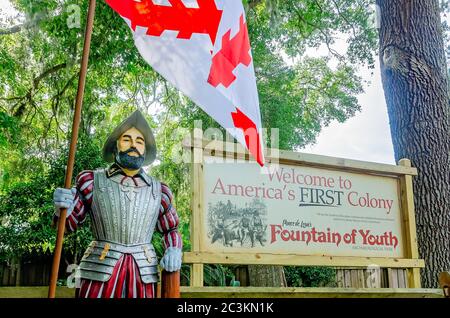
[253, 3]
[21, 100]
[14, 29]
[29, 24]
[323, 33]
[51, 70]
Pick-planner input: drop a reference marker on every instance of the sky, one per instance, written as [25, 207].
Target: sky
[366, 136]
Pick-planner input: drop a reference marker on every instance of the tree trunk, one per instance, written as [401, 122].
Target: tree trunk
[414, 75]
[266, 276]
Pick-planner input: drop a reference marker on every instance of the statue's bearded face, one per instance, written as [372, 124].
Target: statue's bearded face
[131, 149]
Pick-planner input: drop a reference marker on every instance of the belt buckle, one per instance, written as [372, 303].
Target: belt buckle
[90, 249]
[104, 252]
[147, 254]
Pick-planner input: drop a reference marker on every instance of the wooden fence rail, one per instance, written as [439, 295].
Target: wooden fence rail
[37, 274]
[25, 273]
[375, 278]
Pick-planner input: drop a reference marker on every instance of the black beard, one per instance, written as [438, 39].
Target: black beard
[126, 161]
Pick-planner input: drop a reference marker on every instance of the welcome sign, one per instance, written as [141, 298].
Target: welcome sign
[299, 210]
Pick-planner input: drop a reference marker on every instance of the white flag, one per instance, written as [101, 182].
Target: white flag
[202, 47]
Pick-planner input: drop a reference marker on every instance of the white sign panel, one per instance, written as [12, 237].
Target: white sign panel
[300, 210]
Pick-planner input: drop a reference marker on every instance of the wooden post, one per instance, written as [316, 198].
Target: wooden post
[170, 284]
[73, 145]
[197, 206]
[409, 222]
[444, 282]
[18, 265]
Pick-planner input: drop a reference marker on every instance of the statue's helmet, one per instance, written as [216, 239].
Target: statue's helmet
[137, 121]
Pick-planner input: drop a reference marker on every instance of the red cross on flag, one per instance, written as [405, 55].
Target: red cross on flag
[202, 47]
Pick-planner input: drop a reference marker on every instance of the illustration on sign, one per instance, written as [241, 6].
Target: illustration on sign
[230, 224]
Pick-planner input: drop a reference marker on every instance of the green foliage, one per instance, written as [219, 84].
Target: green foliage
[310, 276]
[217, 275]
[26, 209]
[299, 25]
[8, 130]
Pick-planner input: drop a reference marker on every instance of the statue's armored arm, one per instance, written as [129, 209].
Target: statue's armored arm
[82, 200]
[168, 224]
[168, 220]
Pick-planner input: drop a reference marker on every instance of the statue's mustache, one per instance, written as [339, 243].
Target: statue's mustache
[132, 149]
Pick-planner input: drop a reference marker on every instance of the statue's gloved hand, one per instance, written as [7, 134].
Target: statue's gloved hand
[171, 261]
[64, 199]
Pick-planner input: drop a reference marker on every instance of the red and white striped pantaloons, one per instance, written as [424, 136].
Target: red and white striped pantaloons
[125, 282]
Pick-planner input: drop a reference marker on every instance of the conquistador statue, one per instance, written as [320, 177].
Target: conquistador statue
[125, 205]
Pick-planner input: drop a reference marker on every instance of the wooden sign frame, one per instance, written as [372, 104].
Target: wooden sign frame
[198, 255]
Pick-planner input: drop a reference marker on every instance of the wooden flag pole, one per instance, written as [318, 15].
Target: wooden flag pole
[73, 146]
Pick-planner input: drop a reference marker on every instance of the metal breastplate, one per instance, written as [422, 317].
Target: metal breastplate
[123, 217]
